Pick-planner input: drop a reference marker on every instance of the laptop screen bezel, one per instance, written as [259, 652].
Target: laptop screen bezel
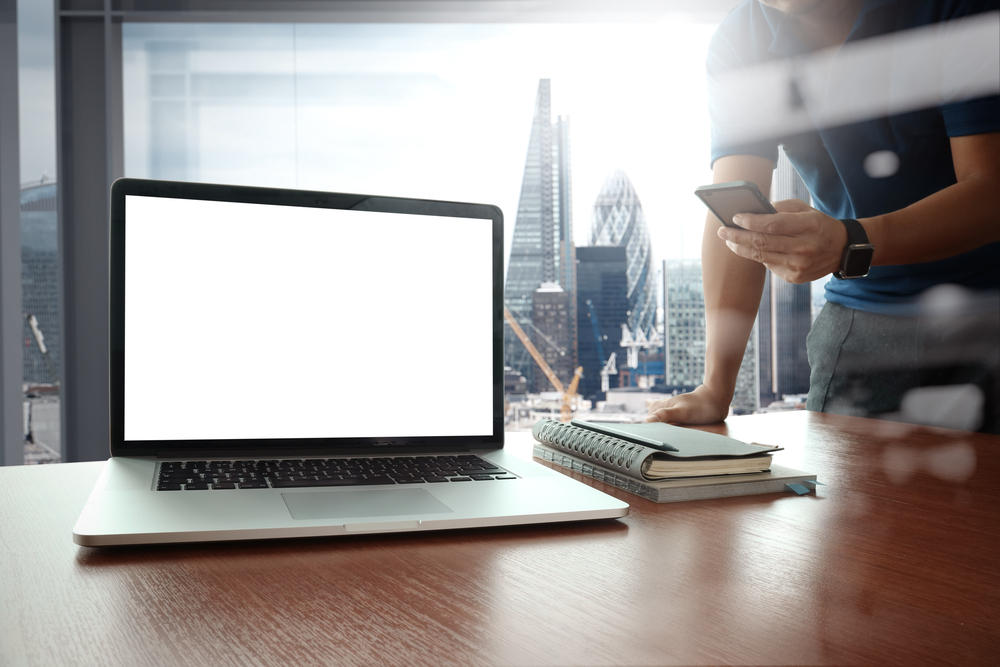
[274, 447]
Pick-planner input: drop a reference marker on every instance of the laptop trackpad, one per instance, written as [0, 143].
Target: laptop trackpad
[361, 503]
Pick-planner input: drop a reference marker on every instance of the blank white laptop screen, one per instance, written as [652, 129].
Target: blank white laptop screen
[261, 321]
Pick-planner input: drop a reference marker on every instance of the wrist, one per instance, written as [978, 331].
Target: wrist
[856, 257]
[874, 228]
[720, 394]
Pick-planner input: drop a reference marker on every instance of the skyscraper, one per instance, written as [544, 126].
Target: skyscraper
[40, 281]
[685, 336]
[683, 323]
[602, 307]
[542, 248]
[618, 220]
[784, 315]
[551, 334]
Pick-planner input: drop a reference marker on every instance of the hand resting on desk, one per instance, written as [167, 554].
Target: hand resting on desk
[700, 406]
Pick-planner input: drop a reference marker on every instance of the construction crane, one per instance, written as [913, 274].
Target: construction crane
[632, 345]
[40, 341]
[609, 369]
[566, 412]
[634, 342]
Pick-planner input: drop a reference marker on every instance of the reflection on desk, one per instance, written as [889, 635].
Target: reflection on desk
[893, 561]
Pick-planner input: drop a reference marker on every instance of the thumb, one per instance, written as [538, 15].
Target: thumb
[671, 415]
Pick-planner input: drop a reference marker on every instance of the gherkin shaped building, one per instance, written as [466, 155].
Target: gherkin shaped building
[618, 221]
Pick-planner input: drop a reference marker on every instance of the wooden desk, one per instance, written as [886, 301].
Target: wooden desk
[893, 562]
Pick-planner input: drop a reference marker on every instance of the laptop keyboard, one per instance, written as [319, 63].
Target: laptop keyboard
[302, 473]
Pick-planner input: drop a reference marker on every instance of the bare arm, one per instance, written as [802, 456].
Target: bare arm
[958, 219]
[801, 244]
[733, 287]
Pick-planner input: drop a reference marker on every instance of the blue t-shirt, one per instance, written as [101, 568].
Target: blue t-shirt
[831, 160]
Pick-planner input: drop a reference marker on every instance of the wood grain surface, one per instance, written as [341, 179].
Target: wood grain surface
[894, 561]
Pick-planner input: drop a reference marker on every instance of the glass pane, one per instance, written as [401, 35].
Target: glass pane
[39, 256]
[424, 110]
[452, 111]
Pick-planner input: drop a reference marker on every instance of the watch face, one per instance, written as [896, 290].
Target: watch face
[858, 261]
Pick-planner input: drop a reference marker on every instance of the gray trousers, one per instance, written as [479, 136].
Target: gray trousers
[868, 364]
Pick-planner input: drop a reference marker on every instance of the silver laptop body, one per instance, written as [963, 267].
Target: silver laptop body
[288, 363]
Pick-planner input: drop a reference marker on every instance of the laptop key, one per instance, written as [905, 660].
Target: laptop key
[460, 479]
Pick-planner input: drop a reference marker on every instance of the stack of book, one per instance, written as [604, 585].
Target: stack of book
[664, 463]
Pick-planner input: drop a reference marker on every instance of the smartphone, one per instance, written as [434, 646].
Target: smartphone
[727, 199]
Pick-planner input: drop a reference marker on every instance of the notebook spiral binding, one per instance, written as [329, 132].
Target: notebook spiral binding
[596, 446]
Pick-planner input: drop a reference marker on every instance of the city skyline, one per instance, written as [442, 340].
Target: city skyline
[196, 92]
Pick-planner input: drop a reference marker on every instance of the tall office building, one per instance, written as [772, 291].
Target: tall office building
[39, 281]
[685, 336]
[683, 323]
[618, 220]
[552, 334]
[784, 316]
[542, 248]
[602, 307]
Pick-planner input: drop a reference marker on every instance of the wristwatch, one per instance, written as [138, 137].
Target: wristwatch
[857, 257]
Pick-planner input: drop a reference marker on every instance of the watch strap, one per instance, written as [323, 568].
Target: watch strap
[857, 241]
[856, 234]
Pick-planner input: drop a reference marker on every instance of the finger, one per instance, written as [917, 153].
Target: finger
[763, 242]
[787, 224]
[671, 415]
[758, 255]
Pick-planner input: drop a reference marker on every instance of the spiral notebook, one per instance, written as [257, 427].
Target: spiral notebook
[664, 463]
[652, 451]
[679, 489]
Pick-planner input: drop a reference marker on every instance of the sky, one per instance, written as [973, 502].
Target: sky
[438, 110]
[445, 111]
[36, 90]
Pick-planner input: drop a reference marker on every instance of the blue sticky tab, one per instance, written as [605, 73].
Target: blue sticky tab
[813, 483]
[797, 488]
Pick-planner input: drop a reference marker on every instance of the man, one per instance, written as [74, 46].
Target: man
[935, 221]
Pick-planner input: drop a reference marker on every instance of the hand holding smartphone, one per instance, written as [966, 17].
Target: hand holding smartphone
[727, 199]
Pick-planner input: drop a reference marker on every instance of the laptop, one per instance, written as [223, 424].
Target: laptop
[288, 363]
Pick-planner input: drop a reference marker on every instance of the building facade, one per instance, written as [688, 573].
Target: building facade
[542, 247]
[618, 220]
[683, 323]
[785, 313]
[602, 307]
[40, 282]
[552, 334]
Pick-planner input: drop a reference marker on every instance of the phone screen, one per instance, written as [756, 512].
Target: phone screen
[727, 199]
